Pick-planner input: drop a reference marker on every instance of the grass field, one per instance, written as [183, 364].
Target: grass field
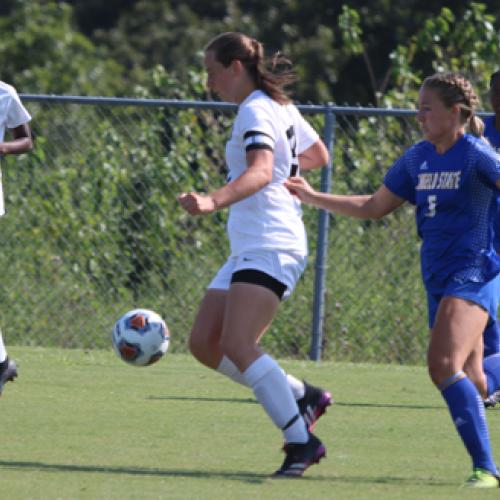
[83, 425]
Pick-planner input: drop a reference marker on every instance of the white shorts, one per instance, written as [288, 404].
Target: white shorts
[284, 267]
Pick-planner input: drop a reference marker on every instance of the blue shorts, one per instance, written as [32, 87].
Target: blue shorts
[485, 295]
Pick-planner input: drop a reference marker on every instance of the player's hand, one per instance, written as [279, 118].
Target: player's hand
[299, 187]
[197, 204]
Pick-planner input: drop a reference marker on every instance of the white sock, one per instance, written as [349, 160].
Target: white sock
[297, 386]
[3, 352]
[271, 389]
[229, 369]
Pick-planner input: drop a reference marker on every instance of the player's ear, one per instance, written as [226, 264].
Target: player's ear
[237, 66]
[456, 110]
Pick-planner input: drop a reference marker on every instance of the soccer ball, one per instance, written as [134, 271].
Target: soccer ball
[140, 337]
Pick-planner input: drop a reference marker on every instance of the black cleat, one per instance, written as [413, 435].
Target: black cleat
[8, 374]
[313, 404]
[301, 456]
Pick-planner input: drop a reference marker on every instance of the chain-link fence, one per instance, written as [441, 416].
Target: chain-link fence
[93, 228]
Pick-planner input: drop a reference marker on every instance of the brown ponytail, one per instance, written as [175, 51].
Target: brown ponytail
[271, 76]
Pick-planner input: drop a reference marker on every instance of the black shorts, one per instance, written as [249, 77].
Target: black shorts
[260, 278]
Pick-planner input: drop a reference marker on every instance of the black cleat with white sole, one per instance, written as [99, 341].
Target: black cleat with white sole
[300, 456]
[313, 404]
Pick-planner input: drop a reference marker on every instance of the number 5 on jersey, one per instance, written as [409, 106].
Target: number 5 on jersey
[432, 204]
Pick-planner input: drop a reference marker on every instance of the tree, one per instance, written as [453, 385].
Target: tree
[468, 44]
[41, 52]
[334, 63]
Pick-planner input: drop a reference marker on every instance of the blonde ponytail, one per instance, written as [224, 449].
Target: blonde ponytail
[476, 125]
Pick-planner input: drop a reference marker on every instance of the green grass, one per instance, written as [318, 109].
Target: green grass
[83, 425]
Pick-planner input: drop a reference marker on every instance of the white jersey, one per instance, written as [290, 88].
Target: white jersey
[271, 218]
[12, 114]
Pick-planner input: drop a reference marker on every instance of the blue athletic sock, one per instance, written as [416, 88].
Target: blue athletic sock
[491, 338]
[491, 367]
[467, 412]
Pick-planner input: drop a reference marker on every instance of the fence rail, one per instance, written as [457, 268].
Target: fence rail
[93, 229]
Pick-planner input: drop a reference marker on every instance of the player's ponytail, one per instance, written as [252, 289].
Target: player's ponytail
[271, 76]
[454, 88]
[476, 125]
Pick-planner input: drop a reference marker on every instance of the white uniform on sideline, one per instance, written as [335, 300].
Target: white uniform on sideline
[12, 115]
[265, 229]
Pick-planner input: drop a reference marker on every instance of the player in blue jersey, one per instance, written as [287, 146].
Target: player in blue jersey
[492, 133]
[453, 179]
[492, 123]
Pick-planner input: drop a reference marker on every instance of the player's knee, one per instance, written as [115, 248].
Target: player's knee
[440, 368]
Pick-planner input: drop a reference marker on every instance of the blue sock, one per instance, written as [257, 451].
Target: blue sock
[491, 367]
[491, 337]
[467, 412]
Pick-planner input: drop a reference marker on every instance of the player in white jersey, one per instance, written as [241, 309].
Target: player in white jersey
[270, 141]
[13, 116]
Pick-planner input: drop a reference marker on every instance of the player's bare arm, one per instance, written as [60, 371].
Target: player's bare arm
[369, 206]
[258, 174]
[21, 143]
[314, 156]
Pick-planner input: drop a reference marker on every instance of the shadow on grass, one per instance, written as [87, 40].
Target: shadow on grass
[209, 400]
[247, 477]
[390, 405]
[135, 471]
[337, 403]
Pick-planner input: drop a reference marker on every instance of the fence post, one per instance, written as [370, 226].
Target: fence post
[322, 241]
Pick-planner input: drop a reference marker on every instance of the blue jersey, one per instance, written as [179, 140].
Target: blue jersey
[493, 135]
[456, 203]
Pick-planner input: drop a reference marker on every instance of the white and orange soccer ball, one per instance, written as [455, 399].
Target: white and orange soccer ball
[140, 337]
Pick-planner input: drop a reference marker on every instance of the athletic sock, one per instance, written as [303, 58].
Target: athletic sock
[467, 412]
[3, 351]
[491, 367]
[229, 369]
[297, 386]
[271, 389]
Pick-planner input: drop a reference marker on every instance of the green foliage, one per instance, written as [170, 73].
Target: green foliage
[41, 52]
[94, 226]
[348, 52]
[349, 24]
[468, 45]
[100, 226]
